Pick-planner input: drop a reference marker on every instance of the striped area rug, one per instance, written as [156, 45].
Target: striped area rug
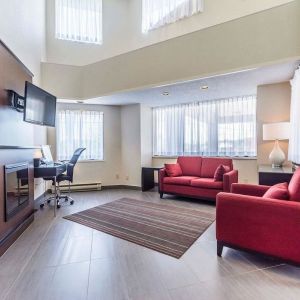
[166, 228]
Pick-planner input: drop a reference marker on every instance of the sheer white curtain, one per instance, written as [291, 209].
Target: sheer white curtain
[79, 20]
[79, 129]
[157, 13]
[224, 127]
[294, 143]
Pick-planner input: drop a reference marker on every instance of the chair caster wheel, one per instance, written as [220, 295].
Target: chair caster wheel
[42, 205]
[72, 202]
[58, 206]
[48, 201]
[66, 199]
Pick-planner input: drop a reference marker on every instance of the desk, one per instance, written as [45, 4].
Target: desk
[50, 170]
[148, 177]
[270, 176]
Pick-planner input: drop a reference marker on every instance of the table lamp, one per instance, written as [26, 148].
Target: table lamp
[276, 131]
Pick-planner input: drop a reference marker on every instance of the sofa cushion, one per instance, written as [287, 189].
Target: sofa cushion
[180, 180]
[294, 186]
[208, 183]
[220, 171]
[278, 191]
[173, 170]
[190, 165]
[210, 165]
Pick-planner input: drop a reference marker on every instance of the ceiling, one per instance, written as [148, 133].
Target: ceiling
[221, 86]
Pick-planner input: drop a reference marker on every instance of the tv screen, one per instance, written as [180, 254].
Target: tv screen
[40, 106]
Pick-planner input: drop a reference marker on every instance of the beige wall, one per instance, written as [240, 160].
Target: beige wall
[122, 28]
[273, 105]
[242, 43]
[108, 171]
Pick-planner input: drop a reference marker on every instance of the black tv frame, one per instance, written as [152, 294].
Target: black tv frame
[25, 97]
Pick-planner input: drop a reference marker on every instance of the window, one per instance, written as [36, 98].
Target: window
[157, 13]
[212, 128]
[79, 20]
[79, 129]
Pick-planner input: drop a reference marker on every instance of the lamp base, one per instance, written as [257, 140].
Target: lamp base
[277, 156]
[274, 166]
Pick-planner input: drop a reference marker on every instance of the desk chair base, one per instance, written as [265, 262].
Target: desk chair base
[57, 198]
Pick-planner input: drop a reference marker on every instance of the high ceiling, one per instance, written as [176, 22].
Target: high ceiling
[222, 86]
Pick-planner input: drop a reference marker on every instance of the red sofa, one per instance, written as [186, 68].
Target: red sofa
[247, 221]
[197, 180]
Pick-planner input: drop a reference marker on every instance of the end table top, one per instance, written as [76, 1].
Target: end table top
[269, 169]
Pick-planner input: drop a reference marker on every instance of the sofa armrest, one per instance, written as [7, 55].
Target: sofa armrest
[249, 189]
[230, 178]
[161, 175]
[260, 224]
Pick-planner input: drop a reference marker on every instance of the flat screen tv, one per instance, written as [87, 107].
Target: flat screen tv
[40, 106]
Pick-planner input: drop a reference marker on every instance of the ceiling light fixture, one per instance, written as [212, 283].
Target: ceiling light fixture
[165, 93]
[204, 87]
[79, 101]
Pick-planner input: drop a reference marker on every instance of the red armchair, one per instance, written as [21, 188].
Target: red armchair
[247, 221]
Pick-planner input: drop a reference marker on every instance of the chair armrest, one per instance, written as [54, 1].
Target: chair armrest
[265, 225]
[230, 178]
[161, 175]
[249, 189]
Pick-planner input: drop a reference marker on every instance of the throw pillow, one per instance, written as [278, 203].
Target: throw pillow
[220, 171]
[278, 191]
[173, 170]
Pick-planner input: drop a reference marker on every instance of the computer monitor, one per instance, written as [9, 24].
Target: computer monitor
[48, 159]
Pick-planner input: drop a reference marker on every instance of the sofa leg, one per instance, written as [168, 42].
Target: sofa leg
[161, 195]
[219, 248]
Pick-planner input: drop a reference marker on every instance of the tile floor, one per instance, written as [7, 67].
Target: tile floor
[59, 259]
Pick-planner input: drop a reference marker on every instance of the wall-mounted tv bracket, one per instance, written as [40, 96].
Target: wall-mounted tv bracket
[15, 100]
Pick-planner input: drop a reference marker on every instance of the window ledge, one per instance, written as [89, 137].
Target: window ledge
[232, 157]
[90, 160]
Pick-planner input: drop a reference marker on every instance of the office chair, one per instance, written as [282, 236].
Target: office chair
[68, 176]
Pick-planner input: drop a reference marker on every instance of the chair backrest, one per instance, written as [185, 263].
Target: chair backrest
[72, 162]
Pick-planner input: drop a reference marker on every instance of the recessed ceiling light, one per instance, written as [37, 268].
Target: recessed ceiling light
[79, 101]
[165, 93]
[204, 87]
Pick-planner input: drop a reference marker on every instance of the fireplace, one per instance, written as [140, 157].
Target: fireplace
[16, 188]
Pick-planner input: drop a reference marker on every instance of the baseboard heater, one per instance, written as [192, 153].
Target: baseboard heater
[79, 187]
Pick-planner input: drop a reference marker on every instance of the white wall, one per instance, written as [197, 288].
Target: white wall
[22, 29]
[122, 28]
[108, 171]
[131, 144]
[146, 135]
[248, 42]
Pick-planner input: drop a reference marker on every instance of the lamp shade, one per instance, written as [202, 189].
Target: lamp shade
[276, 131]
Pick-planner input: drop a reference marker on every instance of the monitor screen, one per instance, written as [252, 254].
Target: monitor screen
[40, 106]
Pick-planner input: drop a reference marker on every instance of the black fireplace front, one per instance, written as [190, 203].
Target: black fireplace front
[16, 188]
